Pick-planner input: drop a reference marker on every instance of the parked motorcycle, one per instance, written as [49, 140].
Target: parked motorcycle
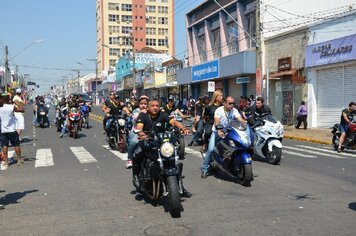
[350, 138]
[61, 116]
[118, 134]
[42, 115]
[84, 111]
[268, 139]
[73, 122]
[232, 154]
[161, 171]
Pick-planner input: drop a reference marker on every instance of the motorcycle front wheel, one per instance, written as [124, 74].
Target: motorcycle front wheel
[122, 143]
[335, 141]
[245, 174]
[75, 131]
[174, 196]
[275, 156]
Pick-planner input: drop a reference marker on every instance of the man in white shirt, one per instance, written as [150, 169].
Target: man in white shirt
[19, 118]
[8, 131]
[222, 116]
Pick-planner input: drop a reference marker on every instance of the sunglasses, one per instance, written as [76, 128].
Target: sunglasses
[231, 103]
[112, 93]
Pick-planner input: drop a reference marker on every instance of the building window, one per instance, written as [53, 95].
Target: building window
[112, 63]
[126, 29]
[114, 51]
[152, 0]
[162, 31]
[114, 40]
[162, 42]
[163, 20]
[126, 18]
[126, 7]
[162, 10]
[114, 18]
[151, 20]
[114, 6]
[114, 29]
[202, 48]
[151, 31]
[151, 9]
[163, 1]
[232, 40]
[216, 43]
[150, 42]
[251, 27]
[126, 41]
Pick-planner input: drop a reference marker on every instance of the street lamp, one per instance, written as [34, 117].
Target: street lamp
[96, 73]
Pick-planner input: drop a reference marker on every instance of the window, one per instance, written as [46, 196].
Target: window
[151, 20]
[114, 29]
[216, 43]
[114, 51]
[113, 6]
[151, 9]
[126, 41]
[126, 18]
[114, 40]
[152, 0]
[163, 20]
[251, 27]
[126, 7]
[151, 31]
[202, 48]
[163, 1]
[232, 41]
[112, 63]
[162, 10]
[162, 42]
[150, 42]
[162, 31]
[113, 18]
[126, 29]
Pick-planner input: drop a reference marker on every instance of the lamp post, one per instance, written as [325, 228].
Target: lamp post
[96, 74]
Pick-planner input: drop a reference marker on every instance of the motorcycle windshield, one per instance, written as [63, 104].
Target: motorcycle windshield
[240, 133]
[270, 118]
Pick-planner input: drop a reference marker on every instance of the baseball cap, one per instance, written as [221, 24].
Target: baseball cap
[18, 90]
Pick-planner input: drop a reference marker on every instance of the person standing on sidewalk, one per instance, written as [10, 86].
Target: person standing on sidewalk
[19, 117]
[302, 115]
[8, 130]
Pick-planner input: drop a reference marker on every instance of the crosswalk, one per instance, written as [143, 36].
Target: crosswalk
[45, 158]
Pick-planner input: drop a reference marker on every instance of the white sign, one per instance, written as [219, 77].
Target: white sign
[211, 86]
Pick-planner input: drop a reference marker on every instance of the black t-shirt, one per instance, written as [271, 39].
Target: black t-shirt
[115, 109]
[209, 113]
[169, 110]
[349, 114]
[157, 124]
[198, 109]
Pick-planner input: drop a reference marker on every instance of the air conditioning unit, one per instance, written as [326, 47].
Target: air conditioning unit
[118, 7]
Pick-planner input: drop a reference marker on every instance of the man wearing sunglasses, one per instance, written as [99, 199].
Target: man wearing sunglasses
[222, 116]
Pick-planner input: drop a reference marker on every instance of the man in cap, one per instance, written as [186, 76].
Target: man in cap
[19, 117]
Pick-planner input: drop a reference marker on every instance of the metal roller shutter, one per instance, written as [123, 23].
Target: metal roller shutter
[330, 90]
[350, 84]
[251, 87]
[235, 90]
[204, 89]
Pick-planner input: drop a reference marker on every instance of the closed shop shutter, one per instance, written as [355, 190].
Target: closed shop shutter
[350, 84]
[235, 90]
[204, 89]
[330, 92]
[251, 87]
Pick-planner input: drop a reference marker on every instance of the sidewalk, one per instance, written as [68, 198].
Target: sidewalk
[314, 135]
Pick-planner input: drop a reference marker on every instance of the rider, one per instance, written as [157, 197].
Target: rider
[346, 118]
[42, 104]
[258, 110]
[153, 120]
[222, 116]
[170, 107]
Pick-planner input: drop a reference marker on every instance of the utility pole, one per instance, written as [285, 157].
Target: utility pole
[259, 60]
[132, 42]
[6, 68]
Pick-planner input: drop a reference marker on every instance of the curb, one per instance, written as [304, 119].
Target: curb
[308, 139]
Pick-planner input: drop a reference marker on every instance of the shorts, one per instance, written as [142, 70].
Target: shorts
[19, 121]
[12, 137]
[344, 128]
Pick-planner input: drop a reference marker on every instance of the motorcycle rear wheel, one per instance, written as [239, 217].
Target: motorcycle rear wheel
[245, 174]
[275, 156]
[335, 141]
[174, 196]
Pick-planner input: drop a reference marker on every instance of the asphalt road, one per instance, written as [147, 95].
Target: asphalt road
[79, 187]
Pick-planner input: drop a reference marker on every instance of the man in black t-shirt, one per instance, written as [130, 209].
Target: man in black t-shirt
[347, 116]
[171, 107]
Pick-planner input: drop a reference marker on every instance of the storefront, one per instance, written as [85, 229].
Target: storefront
[332, 75]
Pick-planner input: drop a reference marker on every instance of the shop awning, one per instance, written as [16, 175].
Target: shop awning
[282, 73]
[169, 84]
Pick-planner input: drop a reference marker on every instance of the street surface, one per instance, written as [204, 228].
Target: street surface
[80, 187]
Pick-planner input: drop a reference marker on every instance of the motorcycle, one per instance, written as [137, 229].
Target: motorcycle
[350, 138]
[61, 116]
[42, 116]
[161, 171]
[73, 122]
[268, 139]
[232, 154]
[118, 134]
[84, 111]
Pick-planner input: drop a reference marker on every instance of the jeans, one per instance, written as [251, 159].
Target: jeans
[133, 141]
[108, 125]
[199, 130]
[34, 121]
[64, 128]
[209, 153]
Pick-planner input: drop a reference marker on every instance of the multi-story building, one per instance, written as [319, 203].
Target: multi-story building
[127, 25]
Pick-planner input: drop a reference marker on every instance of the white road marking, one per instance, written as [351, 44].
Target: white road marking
[192, 151]
[308, 151]
[338, 155]
[44, 157]
[297, 154]
[122, 156]
[83, 155]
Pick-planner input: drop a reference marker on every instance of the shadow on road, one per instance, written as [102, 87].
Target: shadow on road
[352, 206]
[12, 198]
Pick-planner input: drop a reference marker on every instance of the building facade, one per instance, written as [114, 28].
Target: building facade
[220, 49]
[127, 25]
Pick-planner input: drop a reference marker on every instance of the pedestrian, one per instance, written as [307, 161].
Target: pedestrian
[19, 116]
[302, 115]
[198, 122]
[8, 130]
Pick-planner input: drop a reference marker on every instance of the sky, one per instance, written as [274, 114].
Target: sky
[67, 31]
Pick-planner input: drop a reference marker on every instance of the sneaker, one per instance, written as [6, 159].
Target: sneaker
[128, 164]
[2, 207]
[338, 150]
[19, 162]
[4, 165]
[61, 135]
[204, 174]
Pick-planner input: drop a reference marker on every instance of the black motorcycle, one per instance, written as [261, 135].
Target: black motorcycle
[161, 170]
[42, 115]
[118, 134]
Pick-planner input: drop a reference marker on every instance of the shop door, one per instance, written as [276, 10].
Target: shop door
[287, 118]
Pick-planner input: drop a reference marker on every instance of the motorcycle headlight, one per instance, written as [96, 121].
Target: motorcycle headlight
[42, 113]
[232, 144]
[167, 149]
[121, 122]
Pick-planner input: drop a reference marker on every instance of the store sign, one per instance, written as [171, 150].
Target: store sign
[211, 86]
[205, 71]
[334, 51]
[242, 80]
[285, 64]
